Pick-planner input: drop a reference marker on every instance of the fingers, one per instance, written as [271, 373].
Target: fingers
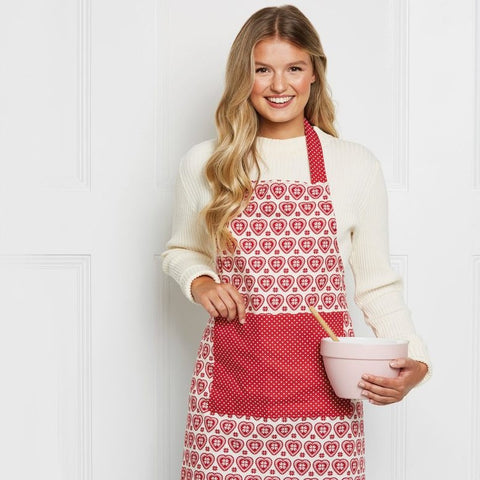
[241, 310]
[380, 400]
[210, 308]
[384, 391]
[219, 299]
[230, 303]
[380, 390]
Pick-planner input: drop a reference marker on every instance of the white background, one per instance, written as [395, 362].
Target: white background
[98, 102]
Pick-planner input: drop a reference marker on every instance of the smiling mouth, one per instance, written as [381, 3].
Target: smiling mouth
[280, 100]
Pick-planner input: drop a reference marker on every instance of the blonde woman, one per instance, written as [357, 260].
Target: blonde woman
[266, 217]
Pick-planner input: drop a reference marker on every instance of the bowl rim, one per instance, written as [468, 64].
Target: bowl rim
[370, 341]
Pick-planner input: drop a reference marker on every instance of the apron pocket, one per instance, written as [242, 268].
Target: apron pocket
[271, 367]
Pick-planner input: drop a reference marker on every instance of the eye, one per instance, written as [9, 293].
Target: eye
[295, 69]
[261, 70]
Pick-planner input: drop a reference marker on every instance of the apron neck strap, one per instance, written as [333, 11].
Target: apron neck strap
[315, 154]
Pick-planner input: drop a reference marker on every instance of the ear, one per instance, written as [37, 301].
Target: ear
[313, 79]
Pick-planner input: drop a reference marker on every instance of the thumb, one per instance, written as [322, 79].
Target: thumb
[399, 363]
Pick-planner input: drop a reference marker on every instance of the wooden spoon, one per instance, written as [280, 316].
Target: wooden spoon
[324, 324]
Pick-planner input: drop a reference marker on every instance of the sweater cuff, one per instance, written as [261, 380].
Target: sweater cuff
[398, 325]
[417, 351]
[190, 274]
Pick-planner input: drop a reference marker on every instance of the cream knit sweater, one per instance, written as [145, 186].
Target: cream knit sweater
[360, 203]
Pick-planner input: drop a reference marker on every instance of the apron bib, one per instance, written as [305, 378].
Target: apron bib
[286, 259]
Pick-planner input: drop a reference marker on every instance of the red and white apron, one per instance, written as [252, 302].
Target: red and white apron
[261, 407]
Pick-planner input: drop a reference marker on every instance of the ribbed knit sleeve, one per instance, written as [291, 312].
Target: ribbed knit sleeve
[188, 253]
[378, 288]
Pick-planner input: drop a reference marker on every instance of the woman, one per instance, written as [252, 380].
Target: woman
[265, 217]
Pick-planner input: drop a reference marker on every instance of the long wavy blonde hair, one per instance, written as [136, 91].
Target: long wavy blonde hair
[235, 158]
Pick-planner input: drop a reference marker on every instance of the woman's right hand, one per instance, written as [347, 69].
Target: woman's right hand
[218, 299]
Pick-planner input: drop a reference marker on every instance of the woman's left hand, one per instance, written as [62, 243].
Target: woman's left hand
[384, 391]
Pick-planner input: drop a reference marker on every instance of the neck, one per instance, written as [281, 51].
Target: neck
[282, 130]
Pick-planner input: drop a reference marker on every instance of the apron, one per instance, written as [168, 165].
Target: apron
[260, 404]
[286, 259]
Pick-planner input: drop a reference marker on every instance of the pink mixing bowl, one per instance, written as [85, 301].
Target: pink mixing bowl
[347, 360]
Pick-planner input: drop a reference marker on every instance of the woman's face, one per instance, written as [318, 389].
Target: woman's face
[283, 75]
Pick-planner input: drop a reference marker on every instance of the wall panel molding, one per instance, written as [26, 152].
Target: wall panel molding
[475, 331]
[476, 153]
[82, 265]
[163, 375]
[398, 417]
[400, 152]
[81, 179]
[399, 441]
[163, 173]
[81, 461]
[84, 61]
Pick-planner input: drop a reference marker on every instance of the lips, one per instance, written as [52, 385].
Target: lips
[280, 101]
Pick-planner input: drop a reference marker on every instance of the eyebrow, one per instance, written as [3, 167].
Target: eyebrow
[299, 62]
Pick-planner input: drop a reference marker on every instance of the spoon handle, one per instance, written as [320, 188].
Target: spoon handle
[324, 324]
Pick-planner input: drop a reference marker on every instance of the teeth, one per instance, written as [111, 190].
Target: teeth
[279, 99]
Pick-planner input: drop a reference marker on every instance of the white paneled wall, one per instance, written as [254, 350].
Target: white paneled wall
[474, 369]
[45, 90]
[98, 102]
[474, 459]
[45, 366]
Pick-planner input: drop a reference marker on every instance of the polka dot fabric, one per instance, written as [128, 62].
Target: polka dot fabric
[315, 155]
[271, 367]
[261, 407]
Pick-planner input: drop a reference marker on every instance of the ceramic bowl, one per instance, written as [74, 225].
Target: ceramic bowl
[347, 360]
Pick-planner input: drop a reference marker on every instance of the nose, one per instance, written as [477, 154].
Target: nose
[279, 83]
